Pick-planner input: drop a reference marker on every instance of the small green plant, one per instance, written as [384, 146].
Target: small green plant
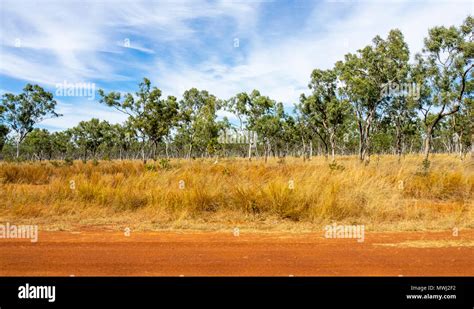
[55, 163]
[425, 167]
[165, 164]
[226, 171]
[150, 167]
[426, 164]
[334, 166]
[68, 161]
[95, 162]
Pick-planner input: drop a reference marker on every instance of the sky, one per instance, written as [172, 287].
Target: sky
[223, 46]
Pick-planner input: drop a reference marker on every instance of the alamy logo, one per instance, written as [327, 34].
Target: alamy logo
[19, 231]
[28, 291]
[66, 89]
[237, 137]
[345, 231]
[401, 90]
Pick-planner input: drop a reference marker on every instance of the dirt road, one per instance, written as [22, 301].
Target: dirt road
[95, 253]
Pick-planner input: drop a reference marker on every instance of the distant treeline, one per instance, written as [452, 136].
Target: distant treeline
[373, 101]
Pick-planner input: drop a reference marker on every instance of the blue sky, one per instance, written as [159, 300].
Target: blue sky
[182, 44]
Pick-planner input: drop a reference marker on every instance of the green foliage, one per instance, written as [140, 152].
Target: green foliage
[90, 135]
[165, 164]
[149, 115]
[23, 111]
[324, 111]
[366, 74]
[334, 166]
[150, 167]
[444, 68]
[68, 161]
[197, 127]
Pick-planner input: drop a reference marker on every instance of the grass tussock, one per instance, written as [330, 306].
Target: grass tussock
[385, 194]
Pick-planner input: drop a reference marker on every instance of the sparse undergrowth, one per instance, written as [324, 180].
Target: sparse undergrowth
[234, 192]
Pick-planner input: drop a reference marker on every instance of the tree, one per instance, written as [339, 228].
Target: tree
[304, 131]
[61, 143]
[251, 108]
[3, 135]
[23, 111]
[3, 128]
[121, 138]
[158, 118]
[198, 127]
[224, 127]
[148, 114]
[268, 124]
[365, 75]
[40, 143]
[326, 112]
[443, 68]
[90, 135]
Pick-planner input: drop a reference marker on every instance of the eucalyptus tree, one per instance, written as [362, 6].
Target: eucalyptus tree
[401, 95]
[304, 132]
[159, 117]
[268, 126]
[198, 126]
[253, 107]
[465, 124]
[150, 115]
[62, 144]
[364, 76]
[122, 137]
[90, 135]
[326, 111]
[224, 128]
[444, 68]
[3, 128]
[39, 143]
[23, 111]
[288, 138]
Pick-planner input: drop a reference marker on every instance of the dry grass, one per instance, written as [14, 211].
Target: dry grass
[431, 244]
[385, 195]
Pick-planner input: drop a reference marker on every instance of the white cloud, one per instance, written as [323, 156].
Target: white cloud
[282, 69]
[70, 35]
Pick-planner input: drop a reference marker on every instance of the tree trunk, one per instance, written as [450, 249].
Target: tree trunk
[427, 147]
[399, 137]
[250, 150]
[361, 145]
[190, 150]
[143, 154]
[18, 149]
[304, 150]
[332, 139]
[266, 150]
[472, 145]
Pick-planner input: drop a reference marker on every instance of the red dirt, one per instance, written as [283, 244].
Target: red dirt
[95, 253]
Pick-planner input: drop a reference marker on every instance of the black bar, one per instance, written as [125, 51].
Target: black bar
[310, 292]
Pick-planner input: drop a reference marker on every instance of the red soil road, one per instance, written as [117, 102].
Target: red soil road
[95, 253]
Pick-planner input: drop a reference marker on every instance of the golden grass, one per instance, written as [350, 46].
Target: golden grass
[431, 244]
[294, 195]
